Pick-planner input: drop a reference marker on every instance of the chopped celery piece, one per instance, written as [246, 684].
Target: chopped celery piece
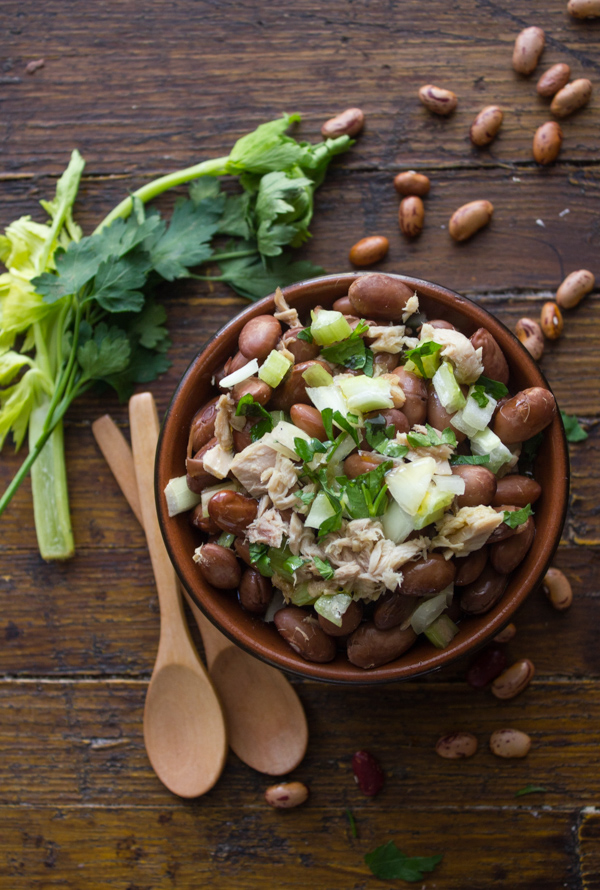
[301, 597]
[226, 540]
[281, 438]
[328, 397]
[447, 389]
[426, 613]
[487, 442]
[397, 523]
[278, 416]
[274, 368]
[472, 419]
[432, 507]
[317, 375]
[409, 483]
[365, 394]
[441, 632]
[333, 607]
[455, 484]
[242, 374]
[320, 510]
[213, 489]
[329, 326]
[179, 497]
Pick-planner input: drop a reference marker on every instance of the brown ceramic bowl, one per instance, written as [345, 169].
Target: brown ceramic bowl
[261, 639]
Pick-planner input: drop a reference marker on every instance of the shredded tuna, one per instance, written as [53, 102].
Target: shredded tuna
[440, 453]
[296, 532]
[412, 306]
[282, 348]
[284, 313]
[280, 480]
[387, 338]
[466, 531]
[468, 366]
[396, 391]
[217, 461]
[224, 415]
[249, 465]
[269, 528]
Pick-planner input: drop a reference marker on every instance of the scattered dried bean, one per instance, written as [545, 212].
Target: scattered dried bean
[486, 125]
[412, 183]
[411, 215]
[456, 745]
[349, 123]
[367, 773]
[584, 9]
[469, 218]
[437, 99]
[553, 80]
[572, 97]
[369, 250]
[551, 321]
[530, 334]
[529, 46]
[574, 288]
[286, 795]
[514, 679]
[510, 743]
[557, 588]
[547, 143]
[506, 635]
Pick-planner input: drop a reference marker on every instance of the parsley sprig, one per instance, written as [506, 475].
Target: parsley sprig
[249, 407]
[352, 353]
[388, 862]
[515, 518]
[380, 437]
[431, 438]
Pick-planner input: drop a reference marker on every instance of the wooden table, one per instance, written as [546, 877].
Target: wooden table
[143, 89]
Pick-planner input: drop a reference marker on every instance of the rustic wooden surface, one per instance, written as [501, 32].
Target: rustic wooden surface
[143, 89]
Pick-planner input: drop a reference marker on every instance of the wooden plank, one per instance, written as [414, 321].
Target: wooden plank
[80, 743]
[127, 98]
[157, 847]
[588, 837]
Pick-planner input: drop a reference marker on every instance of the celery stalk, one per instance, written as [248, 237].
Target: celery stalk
[329, 326]
[49, 488]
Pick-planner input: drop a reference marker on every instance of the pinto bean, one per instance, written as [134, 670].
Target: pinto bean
[456, 745]
[506, 634]
[411, 215]
[242, 549]
[350, 621]
[510, 743]
[293, 389]
[415, 390]
[259, 390]
[526, 414]
[423, 577]
[514, 679]
[484, 128]
[572, 97]
[392, 609]
[529, 46]
[304, 635]
[437, 99]
[359, 463]
[308, 419]
[516, 490]
[197, 477]
[203, 425]
[219, 566]
[495, 365]
[530, 334]
[553, 80]
[232, 511]
[203, 523]
[551, 321]
[369, 250]
[547, 143]
[396, 418]
[380, 297]
[480, 485]
[302, 350]
[508, 554]
[286, 795]
[242, 438]
[259, 336]
[469, 218]
[348, 123]
[469, 568]
[369, 647]
[441, 324]
[343, 305]
[438, 417]
[385, 362]
[255, 591]
[574, 288]
[558, 589]
[584, 9]
[480, 596]
[412, 183]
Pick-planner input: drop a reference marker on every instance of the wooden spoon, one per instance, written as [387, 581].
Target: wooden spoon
[184, 727]
[266, 721]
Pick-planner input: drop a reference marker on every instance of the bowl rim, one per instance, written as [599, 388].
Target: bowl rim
[438, 658]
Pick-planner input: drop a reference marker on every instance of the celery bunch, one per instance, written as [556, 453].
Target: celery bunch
[77, 311]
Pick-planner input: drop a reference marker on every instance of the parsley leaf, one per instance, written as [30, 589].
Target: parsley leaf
[352, 353]
[424, 350]
[307, 450]
[388, 862]
[249, 407]
[118, 283]
[186, 242]
[307, 497]
[479, 395]
[106, 352]
[431, 438]
[476, 460]
[496, 389]
[324, 567]
[515, 518]
[334, 522]
[573, 429]
[379, 436]
[529, 789]
[366, 496]
[305, 334]
[75, 267]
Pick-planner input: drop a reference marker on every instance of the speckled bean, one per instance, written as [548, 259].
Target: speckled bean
[529, 46]
[412, 183]
[286, 795]
[574, 288]
[411, 216]
[510, 743]
[456, 745]
[484, 128]
[469, 218]
[530, 334]
[553, 80]
[551, 321]
[584, 9]
[557, 588]
[437, 99]
[572, 97]
[514, 679]
[547, 143]
[348, 123]
[369, 250]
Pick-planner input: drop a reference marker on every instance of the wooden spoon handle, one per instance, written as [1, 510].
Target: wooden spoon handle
[143, 420]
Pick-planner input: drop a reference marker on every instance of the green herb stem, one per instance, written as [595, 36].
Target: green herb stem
[216, 167]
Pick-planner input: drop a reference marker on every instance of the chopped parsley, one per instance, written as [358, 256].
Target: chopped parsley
[248, 407]
[496, 389]
[352, 353]
[305, 334]
[573, 429]
[478, 393]
[380, 437]
[515, 518]
[366, 496]
[352, 821]
[424, 350]
[388, 862]
[329, 416]
[307, 450]
[530, 789]
[431, 438]
[473, 460]
[324, 568]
